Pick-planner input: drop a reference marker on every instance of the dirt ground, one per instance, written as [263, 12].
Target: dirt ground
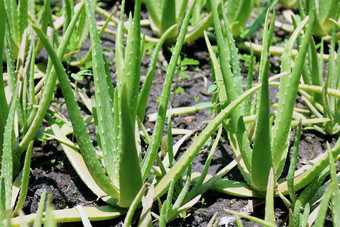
[51, 171]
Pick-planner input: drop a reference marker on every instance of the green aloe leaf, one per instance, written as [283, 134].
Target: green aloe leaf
[98, 213]
[335, 199]
[130, 177]
[13, 21]
[6, 177]
[132, 60]
[40, 211]
[80, 131]
[103, 99]
[24, 179]
[237, 133]
[23, 16]
[286, 104]
[3, 101]
[269, 210]
[168, 17]
[68, 11]
[261, 156]
[7, 156]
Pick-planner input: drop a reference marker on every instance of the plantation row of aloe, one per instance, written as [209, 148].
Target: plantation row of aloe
[129, 177]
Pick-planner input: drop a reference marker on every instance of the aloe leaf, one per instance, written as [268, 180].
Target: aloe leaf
[183, 193]
[80, 131]
[247, 103]
[237, 133]
[23, 16]
[7, 155]
[267, 39]
[168, 16]
[286, 104]
[68, 11]
[319, 222]
[49, 219]
[314, 68]
[154, 8]
[3, 101]
[157, 134]
[12, 74]
[261, 156]
[287, 53]
[335, 199]
[119, 48]
[269, 210]
[130, 177]
[26, 93]
[144, 93]
[233, 56]
[305, 215]
[296, 213]
[72, 215]
[13, 20]
[36, 117]
[40, 211]
[103, 99]
[131, 70]
[24, 179]
[170, 149]
[331, 82]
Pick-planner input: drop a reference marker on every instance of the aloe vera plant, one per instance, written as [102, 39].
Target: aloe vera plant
[270, 145]
[115, 131]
